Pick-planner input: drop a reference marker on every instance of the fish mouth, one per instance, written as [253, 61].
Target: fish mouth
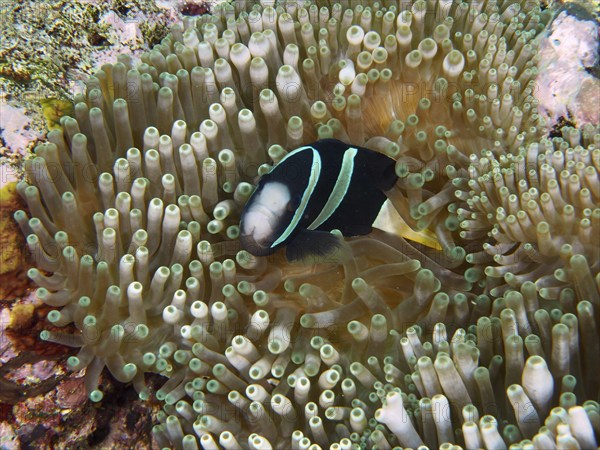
[253, 247]
[256, 230]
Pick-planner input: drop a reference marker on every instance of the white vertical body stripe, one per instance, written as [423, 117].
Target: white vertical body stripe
[292, 153]
[339, 189]
[315, 173]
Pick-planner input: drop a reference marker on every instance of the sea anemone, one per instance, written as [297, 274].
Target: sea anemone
[490, 341]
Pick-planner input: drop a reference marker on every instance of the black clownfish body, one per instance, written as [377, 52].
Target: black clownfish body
[314, 189]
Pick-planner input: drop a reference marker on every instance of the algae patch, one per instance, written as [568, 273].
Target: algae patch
[53, 109]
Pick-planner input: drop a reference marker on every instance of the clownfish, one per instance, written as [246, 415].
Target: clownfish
[314, 189]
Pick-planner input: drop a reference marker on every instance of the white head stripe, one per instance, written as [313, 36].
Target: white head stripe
[339, 189]
[264, 213]
[315, 173]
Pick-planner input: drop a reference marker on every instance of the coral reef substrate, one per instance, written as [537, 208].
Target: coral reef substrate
[490, 342]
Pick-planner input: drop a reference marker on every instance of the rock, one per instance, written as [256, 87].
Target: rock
[13, 266]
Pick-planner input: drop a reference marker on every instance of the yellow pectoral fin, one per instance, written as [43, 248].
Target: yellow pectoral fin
[389, 220]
